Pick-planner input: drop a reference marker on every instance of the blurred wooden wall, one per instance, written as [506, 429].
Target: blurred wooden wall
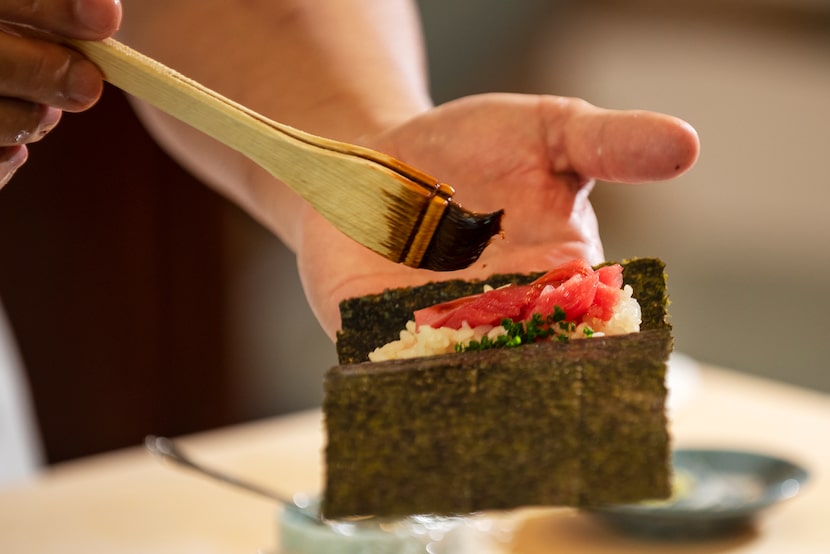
[112, 276]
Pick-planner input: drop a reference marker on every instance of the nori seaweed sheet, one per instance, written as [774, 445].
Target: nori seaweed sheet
[575, 424]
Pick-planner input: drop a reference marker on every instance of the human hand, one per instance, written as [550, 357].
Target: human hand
[535, 156]
[40, 79]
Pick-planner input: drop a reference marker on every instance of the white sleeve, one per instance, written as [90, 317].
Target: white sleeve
[20, 447]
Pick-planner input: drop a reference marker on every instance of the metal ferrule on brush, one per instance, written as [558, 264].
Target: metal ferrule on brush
[433, 211]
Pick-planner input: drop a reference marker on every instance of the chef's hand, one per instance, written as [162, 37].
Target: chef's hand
[40, 79]
[535, 156]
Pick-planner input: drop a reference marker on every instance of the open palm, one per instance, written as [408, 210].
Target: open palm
[534, 156]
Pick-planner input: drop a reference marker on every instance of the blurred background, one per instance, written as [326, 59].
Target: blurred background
[144, 303]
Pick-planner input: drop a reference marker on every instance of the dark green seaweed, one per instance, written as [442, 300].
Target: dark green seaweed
[570, 424]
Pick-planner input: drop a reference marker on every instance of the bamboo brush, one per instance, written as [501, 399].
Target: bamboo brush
[397, 211]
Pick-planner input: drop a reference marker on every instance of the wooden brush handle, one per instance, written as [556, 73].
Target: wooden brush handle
[187, 100]
[373, 198]
[225, 120]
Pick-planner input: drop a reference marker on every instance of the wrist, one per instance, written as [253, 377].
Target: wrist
[350, 118]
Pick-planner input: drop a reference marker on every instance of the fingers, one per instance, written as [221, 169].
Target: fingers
[25, 122]
[626, 146]
[39, 78]
[11, 158]
[82, 19]
[44, 73]
[36, 70]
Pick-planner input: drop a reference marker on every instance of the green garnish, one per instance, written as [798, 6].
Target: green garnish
[536, 328]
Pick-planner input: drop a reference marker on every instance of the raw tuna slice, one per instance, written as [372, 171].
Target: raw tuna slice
[574, 287]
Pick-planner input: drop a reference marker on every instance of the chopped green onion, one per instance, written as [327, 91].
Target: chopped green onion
[535, 329]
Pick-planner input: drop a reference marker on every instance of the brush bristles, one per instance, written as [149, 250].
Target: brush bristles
[460, 238]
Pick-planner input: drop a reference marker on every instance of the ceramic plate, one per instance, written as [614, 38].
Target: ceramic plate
[714, 491]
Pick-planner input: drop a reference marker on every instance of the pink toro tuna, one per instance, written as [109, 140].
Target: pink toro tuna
[574, 287]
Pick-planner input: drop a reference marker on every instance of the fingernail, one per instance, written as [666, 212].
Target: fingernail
[100, 16]
[51, 117]
[83, 84]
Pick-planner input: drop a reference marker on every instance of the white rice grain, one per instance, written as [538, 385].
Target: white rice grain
[427, 341]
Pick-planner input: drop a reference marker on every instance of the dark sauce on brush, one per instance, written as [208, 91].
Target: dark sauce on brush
[460, 238]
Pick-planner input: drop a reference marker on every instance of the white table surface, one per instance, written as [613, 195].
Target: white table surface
[127, 501]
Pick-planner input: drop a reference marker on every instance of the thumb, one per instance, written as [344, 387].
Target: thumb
[628, 146]
[83, 19]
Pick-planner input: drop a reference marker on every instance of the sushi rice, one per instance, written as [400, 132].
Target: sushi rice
[426, 341]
